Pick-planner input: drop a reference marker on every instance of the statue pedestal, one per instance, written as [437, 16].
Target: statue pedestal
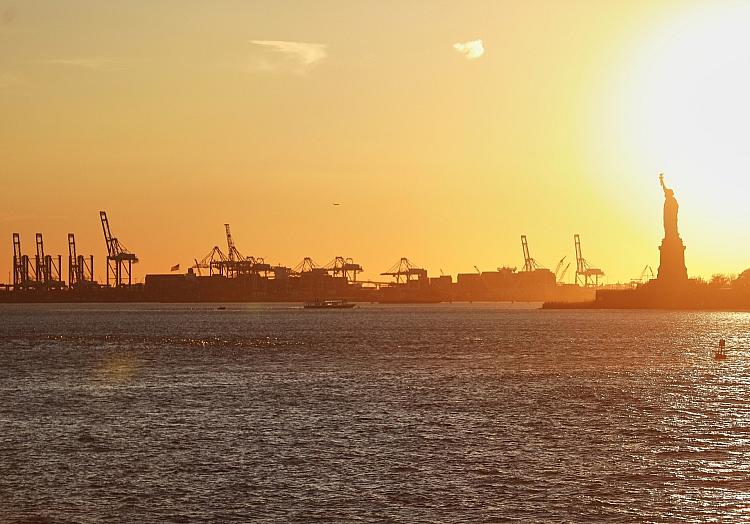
[672, 268]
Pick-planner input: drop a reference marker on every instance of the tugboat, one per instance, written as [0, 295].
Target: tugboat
[329, 304]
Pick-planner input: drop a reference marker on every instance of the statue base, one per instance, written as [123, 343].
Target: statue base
[672, 269]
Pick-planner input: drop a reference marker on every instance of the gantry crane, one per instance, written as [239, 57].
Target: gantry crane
[233, 255]
[119, 260]
[646, 275]
[585, 273]
[237, 264]
[406, 270]
[214, 261]
[40, 268]
[529, 264]
[233, 263]
[343, 267]
[47, 271]
[72, 260]
[80, 271]
[22, 279]
[308, 265]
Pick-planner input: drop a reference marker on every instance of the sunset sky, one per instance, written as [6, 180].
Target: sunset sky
[445, 130]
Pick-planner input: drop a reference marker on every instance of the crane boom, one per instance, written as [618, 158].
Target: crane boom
[20, 265]
[564, 272]
[17, 247]
[580, 262]
[111, 251]
[41, 266]
[584, 272]
[559, 266]
[72, 261]
[119, 260]
[233, 253]
[527, 266]
[40, 247]
[230, 242]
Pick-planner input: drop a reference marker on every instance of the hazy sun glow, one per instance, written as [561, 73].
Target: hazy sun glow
[684, 96]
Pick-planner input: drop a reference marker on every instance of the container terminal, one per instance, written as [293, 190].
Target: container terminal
[230, 276]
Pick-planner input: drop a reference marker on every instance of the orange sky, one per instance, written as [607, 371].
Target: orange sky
[178, 116]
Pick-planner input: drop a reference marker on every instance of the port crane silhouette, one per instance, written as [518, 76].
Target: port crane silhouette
[119, 260]
[80, 271]
[586, 274]
[529, 264]
[405, 270]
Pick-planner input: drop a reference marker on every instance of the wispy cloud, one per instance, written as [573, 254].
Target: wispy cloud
[472, 49]
[7, 15]
[295, 57]
[10, 80]
[93, 63]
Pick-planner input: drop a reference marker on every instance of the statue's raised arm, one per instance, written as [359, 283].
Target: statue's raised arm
[661, 181]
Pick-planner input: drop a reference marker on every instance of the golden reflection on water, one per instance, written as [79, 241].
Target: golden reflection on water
[534, 415]
[115, 369]
[706, 419]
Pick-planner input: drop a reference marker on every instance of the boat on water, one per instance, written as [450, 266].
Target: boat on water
[329, 304]
[721, 353]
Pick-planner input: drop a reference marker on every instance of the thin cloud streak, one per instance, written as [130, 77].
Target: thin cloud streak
[92, 63]
[296, 57]
[472, 50]
[7, 16]
[10, 80]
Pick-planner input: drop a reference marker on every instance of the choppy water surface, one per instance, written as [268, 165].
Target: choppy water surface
[469, 413]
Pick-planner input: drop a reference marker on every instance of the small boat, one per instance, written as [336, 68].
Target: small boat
[721, 353]
[329, 304]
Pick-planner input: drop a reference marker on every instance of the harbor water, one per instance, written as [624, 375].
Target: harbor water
[425, 413]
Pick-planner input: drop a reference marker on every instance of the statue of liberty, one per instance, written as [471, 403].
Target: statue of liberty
[672, 251]
[671, 207]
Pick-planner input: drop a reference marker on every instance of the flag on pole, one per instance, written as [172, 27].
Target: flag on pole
[175, 268]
